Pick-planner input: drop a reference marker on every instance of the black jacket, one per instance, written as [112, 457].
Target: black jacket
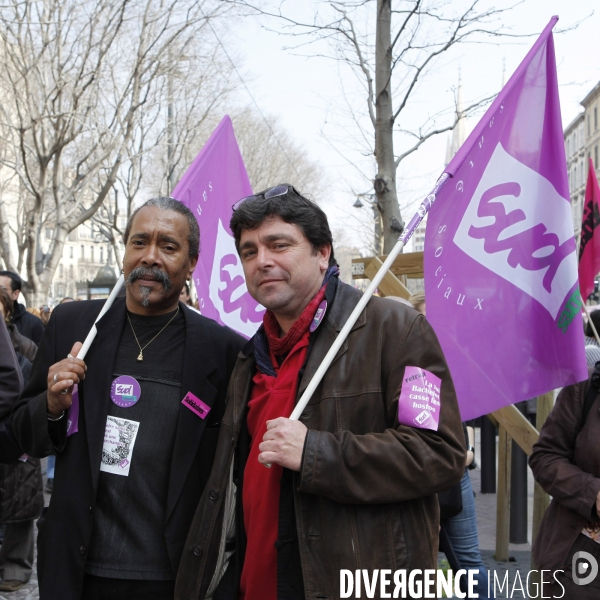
[66, 528]
[28, 325]
[21, 486]
[11, 384]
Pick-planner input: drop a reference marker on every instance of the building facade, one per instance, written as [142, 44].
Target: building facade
[582, 142]
[85, 252]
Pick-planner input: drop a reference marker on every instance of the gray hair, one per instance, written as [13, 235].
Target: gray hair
[165, 203]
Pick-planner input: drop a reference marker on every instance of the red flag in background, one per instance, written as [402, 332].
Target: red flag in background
[589, 246]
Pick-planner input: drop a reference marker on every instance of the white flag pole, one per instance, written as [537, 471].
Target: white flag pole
[93, 331]
[341, 338]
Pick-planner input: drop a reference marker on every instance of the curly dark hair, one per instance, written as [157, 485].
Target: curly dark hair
[292, 207]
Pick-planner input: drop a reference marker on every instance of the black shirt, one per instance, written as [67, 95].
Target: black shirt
[128, 539]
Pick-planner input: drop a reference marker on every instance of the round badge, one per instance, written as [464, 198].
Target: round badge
[125, 391]
[318, 316]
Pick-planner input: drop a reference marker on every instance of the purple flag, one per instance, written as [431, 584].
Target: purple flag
[214, 182]
[500, 261]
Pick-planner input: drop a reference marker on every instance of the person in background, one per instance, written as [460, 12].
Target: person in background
[35, 312]
[11, 385]
[24, 348]
[417, 301]
[185, 295]
[21, 495]
[566, 462]
[592, 355]
[67, 299]
[27, 324]
[459, 539]
[45, 312]
[590, 338]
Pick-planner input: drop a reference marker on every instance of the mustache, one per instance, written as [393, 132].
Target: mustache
[151, 273]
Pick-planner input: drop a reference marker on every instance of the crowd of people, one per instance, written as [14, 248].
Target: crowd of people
[178, 473]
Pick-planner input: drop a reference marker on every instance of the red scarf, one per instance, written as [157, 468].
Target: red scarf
[271, 397]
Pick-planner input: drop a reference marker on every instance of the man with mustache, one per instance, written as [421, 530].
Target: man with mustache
[352, 484]
[131, 466]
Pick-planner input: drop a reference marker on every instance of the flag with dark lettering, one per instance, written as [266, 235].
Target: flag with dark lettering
[214, 182]
[589, 243]
[500, 257]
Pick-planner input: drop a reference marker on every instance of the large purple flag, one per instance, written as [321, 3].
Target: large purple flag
[500, 261]
[214, 182]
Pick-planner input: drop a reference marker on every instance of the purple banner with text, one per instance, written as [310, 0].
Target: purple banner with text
[214, 182]
[500, 260]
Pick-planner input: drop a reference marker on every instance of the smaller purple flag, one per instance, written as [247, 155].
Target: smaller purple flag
[500, 261]
[214, 182]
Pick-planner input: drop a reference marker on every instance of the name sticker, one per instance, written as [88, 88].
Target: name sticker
[196, 405]
[119, 439]
[419, 402]
[318, 316]
[125, 391]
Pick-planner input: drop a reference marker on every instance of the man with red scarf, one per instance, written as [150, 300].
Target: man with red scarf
[352, 484]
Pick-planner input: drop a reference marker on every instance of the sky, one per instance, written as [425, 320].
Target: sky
[303, 88]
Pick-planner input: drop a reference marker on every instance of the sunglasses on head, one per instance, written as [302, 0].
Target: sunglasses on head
[279, 190]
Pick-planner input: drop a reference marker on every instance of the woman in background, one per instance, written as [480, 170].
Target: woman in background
[566, 462]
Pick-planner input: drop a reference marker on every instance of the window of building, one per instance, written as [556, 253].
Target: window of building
[71, 251]
[82, 251]
[581, 172]
[60, 271]
[70, 271]
[575, 180]
[595, 118]
[588, 126]
[101, 254]
[61, 291]
[92, 253]
[48, 233]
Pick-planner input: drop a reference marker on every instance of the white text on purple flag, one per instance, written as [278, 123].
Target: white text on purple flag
[519, 227]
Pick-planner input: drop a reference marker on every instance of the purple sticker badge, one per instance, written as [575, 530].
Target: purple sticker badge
[419, 403]
[125, 391]
[318, 316]
[196, 405]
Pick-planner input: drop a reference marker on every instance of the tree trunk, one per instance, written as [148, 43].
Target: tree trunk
[385, 183]
[5, 250]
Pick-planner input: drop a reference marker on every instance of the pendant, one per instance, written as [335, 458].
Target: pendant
[141, 356]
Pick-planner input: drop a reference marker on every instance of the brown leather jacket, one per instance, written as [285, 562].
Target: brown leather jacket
[365, 497]
[566, 463]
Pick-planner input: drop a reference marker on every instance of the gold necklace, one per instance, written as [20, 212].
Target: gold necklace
[141, 354]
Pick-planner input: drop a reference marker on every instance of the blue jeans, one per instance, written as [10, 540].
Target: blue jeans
[460, 543]
[50, 467]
